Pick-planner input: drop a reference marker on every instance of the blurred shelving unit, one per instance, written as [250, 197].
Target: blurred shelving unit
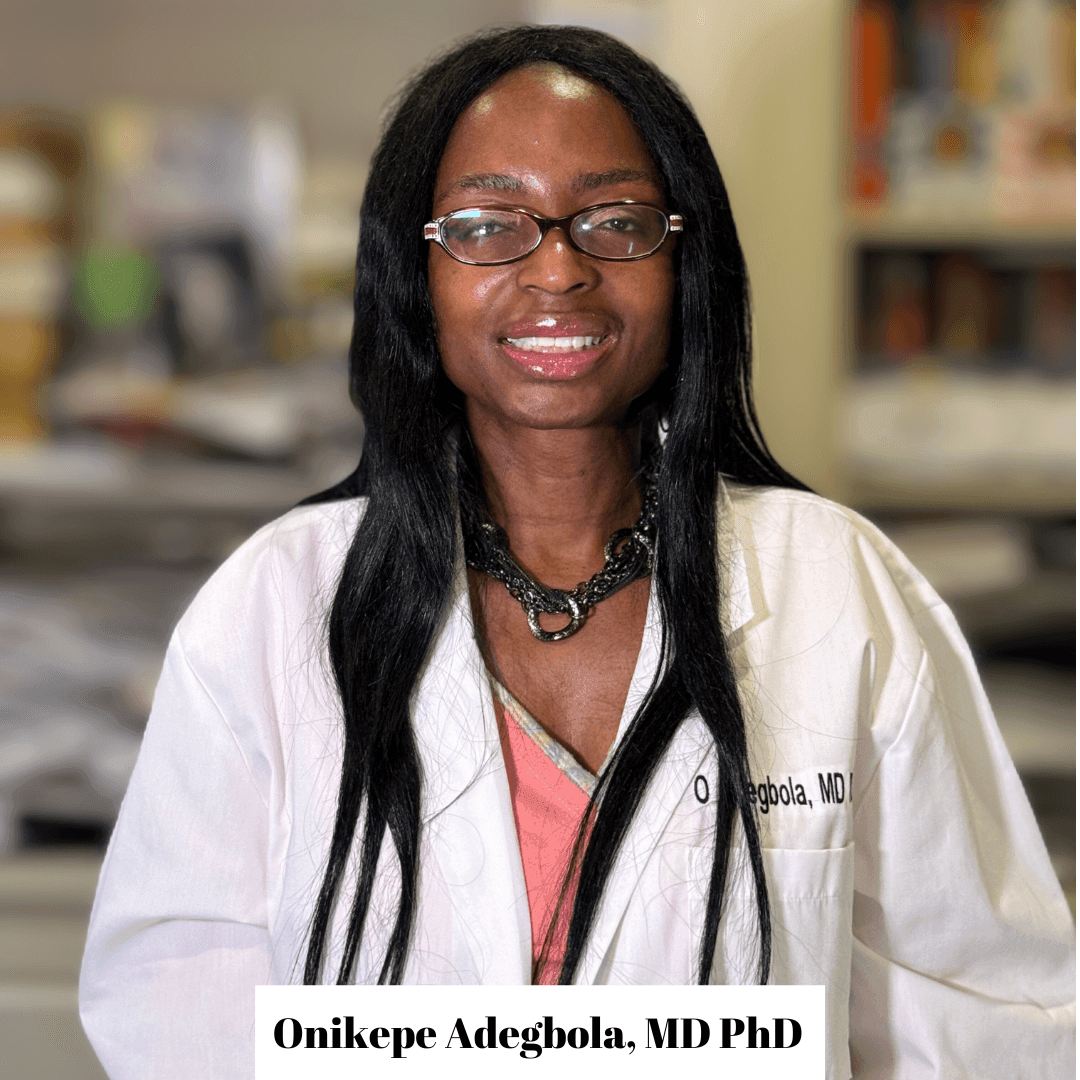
[872, 226]
[958, 341]
[959, 248]
[45, 900]
[981, 405]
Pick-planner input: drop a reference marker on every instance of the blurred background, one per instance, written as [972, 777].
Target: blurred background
[179, 194]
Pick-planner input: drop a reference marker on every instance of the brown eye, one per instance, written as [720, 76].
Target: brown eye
[488, 236]
[620, 232]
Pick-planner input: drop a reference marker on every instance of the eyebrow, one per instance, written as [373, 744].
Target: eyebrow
[592, 181]
[582, 182]
[487, 182]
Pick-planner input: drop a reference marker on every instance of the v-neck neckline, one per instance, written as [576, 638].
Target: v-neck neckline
[562, 756]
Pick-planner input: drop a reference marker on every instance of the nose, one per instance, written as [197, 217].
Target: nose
[556, 267]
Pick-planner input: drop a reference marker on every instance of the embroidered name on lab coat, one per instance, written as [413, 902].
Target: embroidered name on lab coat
[810, 791]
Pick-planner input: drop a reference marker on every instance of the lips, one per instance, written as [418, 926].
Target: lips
[557, 346]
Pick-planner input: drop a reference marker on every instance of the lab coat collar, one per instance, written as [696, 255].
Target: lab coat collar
[734, 575]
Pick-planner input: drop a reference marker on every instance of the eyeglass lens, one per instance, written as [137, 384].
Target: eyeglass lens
[609, 232]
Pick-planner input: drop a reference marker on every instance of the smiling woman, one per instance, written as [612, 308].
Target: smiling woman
[570, 681]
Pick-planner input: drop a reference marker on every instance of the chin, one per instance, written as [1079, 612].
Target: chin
[548, 411]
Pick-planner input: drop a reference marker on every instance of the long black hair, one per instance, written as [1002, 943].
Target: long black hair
[399, 569]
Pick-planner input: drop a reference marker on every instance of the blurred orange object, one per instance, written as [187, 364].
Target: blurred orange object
[976, 51]
[27, 351]
[41, 158]
[873, 62]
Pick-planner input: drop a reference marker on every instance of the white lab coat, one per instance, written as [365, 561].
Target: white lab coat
[912, 882]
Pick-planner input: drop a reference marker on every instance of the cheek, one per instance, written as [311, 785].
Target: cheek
[462, 298]
[459, 293]
[483, 290]
[652, 300]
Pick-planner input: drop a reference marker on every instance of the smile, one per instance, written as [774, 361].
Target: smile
[553, 344]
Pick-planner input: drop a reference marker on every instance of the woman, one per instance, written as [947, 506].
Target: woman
[752, 745]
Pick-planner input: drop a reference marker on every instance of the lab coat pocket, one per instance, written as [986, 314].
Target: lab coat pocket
[810, 896]
[810, 899]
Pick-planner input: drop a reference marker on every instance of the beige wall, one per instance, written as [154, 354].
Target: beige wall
[766, 77]
[335, 61]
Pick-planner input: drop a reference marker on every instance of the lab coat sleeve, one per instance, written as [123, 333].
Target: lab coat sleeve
[178, 937]
[963, 962]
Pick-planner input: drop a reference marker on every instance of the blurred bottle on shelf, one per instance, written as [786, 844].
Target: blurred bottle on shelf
[896, 313]
[965, 304]
[1036, 153]
[116, 377]
[977, 54]
[873, 62]
[1051, 333]
[41, 160]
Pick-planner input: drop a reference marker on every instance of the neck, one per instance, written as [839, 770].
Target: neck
[558, 494]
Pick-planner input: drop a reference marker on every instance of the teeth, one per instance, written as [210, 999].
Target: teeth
[567, 343]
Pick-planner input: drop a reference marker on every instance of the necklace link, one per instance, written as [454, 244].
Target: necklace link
[628, 555]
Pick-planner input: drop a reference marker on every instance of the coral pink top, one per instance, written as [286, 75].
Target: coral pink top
[550, 792]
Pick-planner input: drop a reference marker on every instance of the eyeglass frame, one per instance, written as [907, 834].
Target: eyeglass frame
[674, 223]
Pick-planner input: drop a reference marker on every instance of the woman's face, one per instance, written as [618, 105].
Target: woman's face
[544, 140]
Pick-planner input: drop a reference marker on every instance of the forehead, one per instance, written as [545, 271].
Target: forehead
[543, 128]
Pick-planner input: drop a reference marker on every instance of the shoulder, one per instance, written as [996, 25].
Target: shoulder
[822, 598]
[837, 626]
[287, 571]
[792, 535]
[782, 515]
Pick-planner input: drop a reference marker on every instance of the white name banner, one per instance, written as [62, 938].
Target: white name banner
[414, 1032]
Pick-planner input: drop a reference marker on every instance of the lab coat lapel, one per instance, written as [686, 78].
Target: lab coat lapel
[685, 758]
[474, 885]
[670, 785]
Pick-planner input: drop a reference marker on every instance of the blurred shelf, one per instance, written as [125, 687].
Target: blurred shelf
[931, 438]
[110, 478]
[45, 903]
[1035, 708]
[60, 880]
[1039, 610]
[887, 226]
[42, 1036]
[1031, 495]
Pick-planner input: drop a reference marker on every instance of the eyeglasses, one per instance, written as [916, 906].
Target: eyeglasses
[486, 236]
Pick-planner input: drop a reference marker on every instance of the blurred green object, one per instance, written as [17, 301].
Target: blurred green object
[115, 286]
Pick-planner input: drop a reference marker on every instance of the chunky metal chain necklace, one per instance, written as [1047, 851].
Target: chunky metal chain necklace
[628, 555]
